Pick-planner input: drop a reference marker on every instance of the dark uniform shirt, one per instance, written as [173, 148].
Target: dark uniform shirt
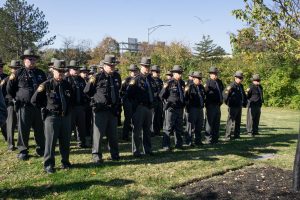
[194, 96]
[48, 96]
[23, 83]
[159, 86]
[78, 84]
[8, 98]
[173, 93]
[99, 88]
[213, 92]
[234, 95]
[255, 95]
[141, 90]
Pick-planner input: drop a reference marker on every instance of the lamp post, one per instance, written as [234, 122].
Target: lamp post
[154, 28]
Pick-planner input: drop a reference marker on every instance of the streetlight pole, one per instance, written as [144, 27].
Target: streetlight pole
[154, 28]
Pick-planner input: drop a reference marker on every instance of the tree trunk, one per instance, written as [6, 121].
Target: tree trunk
[296, 174]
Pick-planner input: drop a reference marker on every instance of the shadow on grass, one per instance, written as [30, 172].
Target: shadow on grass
[43, 190]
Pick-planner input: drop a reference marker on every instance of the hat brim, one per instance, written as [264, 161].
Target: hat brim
[176, 71]
[112, 64]
[254, 79]
[240, 77]
[14, 66]
[59, 69]
[200, 77]
[145, 65]
[29, 56]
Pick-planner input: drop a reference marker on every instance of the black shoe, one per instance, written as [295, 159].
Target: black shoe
[149, 153]
[97, 159]
[66, 165]
[82, 146]
[137, 155]
[49, 170]
[23, 156]
[115, 158]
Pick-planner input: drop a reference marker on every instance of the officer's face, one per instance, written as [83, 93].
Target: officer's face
[197, 81]
[238, 80]
[169, 77]
[58, 75]
[256, 82]
[155, 74]
[74, 72]
[109, 68]
[83, 74]
[213, 76]
[29, 62]
[176, 76]
[133, 73]
[144, 69]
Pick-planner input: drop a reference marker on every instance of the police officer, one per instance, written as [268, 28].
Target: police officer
[195, 98]
[168, 76]
[84, 73]
[173, 94]
[104, 88]
[190, 78]
[235, 98]
[11, 122]
[127, 106]
[141, 92]
[214, 99]
[21, 86]
[2, 77]
[55, 97]
[78, 111]
[157, 112]
[255, 101]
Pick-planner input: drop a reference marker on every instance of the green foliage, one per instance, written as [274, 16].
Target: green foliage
[206, 48]
[22, 26]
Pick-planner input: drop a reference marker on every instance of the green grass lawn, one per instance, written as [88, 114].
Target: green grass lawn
[150, 177]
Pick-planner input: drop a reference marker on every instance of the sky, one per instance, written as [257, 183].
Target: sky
[122, 19]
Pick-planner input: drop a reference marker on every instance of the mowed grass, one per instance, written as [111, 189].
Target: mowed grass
[150, 177]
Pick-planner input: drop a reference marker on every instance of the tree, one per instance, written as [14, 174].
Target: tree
[206, 48]
[278, 22]
[22, 26]
[107, 46]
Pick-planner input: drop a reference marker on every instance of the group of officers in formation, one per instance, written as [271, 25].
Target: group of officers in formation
[89, 102]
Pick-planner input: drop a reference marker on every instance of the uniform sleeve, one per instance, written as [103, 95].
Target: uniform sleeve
[3, 110]
[90, 86]
[164, 93]
[12, 85]
[39, 98]
[227, 93]
[132, 87]
[244, 97]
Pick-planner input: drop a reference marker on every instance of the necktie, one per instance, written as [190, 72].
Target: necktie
[112, 90]
[200, 96]
[220, 94]
[180, 91]
[78, 95]
[63, 99]
[32, 77]
[150, 94]
[242, 96]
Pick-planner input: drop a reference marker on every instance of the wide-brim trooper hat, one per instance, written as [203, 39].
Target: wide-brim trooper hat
[110, 60]
[15, 64]
[145, 61]
[197, 74]
[133, 67]
[255, 77]
[239, 74]
[59, 65]
[29, 53]
[177, 68]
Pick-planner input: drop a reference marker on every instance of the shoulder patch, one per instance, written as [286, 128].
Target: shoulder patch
[248, 89]
[41, 88]
[132, 82]
[92, 79]
[2, 82]
[228, 88]
[123, 82]
[12, 76]
[204, 85]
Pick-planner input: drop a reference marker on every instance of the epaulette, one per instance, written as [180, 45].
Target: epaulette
[41, 88]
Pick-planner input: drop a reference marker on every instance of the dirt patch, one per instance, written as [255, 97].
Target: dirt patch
[246, 184]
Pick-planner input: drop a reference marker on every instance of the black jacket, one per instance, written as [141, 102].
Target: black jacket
[234, 95]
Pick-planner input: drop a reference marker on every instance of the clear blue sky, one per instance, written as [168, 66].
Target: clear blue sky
[94, 19]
